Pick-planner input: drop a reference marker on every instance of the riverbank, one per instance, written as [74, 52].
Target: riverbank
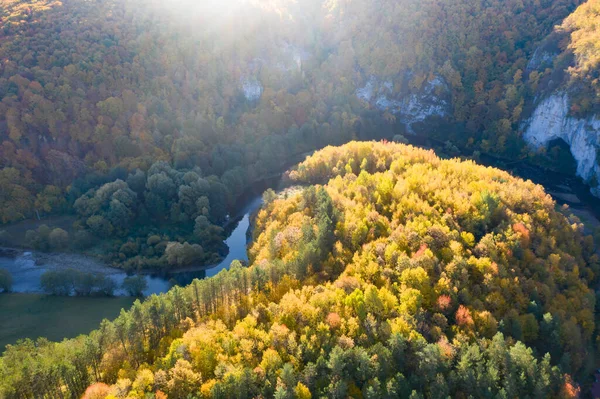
[63, 260]
[27, 267]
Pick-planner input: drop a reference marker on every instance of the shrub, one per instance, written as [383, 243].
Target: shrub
[58, 239]
[135, 285]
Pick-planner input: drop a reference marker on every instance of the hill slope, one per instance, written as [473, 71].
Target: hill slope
[94, 92]
[391, 273]
[567, 106]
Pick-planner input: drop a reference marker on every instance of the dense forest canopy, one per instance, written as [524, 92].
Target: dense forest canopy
[175, 108]
[387, 272]
[582, 29]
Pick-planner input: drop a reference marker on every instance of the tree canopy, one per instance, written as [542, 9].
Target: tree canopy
[389, 273]
[182, 106]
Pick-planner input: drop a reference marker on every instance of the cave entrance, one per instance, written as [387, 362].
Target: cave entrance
[559, 157]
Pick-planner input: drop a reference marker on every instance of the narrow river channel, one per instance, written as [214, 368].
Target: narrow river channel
[27, 267]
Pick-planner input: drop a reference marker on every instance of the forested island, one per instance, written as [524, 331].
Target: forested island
[132, 132]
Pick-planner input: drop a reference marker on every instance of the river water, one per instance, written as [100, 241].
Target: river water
[238, 239]
[27, 267]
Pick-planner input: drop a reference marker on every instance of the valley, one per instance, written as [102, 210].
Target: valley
[26, 268]
[315, 199]
[27, 308]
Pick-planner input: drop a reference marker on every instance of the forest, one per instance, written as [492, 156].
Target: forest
[146, 120]
[383, 270]
[388, 272]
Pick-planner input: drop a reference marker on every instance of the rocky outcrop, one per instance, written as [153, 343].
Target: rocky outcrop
[412, 108]
[252, 88]
[541, 59]
[551, 121]
[287, 60]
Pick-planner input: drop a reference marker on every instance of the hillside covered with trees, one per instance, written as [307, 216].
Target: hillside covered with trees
[581, 53]
[387, 273]
[148, 119]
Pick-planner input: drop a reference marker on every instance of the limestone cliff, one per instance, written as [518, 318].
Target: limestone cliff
[551, 121]
[411, 108]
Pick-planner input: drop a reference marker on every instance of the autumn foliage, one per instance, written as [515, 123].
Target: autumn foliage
[93, 92]
[335, 302]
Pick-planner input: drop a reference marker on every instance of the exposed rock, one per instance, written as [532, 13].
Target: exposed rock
[551, 121]
[541, 59]
[287, 60]
[412, 108]
[366, 93]
[252, 88]
[293, 57]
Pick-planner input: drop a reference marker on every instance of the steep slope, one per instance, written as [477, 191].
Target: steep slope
[551, 120]
[390, 273]
[567, 106]
[158, 115]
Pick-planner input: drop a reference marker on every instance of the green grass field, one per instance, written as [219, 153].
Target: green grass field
[34, 315]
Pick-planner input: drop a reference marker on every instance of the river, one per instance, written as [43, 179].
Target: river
[30, 314]
[27, 267]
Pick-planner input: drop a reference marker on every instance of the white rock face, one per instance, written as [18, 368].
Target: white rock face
[410, 109]
[252, 89]
[293, 57]
[540, 59]
[286, 61]
[551, 121]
